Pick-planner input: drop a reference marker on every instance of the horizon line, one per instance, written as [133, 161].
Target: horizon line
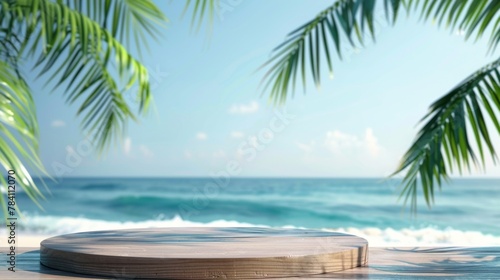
[252, 177]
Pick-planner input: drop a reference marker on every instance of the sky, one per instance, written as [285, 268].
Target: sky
[210, 116]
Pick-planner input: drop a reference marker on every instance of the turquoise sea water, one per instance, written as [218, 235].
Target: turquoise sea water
[467, 211]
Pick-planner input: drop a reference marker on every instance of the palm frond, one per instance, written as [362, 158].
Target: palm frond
[126, 20]
[18, 132]
[348, 22]
[473, 17]
[10, 42]
[446, 140]
[84, 49]
[82, 40]
[202, 11]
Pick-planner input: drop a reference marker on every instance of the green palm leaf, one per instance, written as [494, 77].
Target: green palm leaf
[126, 20]
[89, 46]
[18, 132]
[202, 11]
[82, 39]
[347, 22]
[343, 23]
[444, 141]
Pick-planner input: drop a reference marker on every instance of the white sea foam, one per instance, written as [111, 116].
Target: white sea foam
[52, 225]
[429, 236]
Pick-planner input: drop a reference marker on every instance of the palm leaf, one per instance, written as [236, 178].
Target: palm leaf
[18, 133]
[345, 22]
[349, 21]
[82, 39]
[445, 140]
[444, 143]
[202, 11]
[126, 20]
[88, 73]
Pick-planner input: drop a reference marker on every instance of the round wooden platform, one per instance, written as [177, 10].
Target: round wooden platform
[204, 253]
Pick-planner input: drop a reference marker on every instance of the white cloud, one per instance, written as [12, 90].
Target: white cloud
[339, 142]
[146, 152]
[371, 143]
[237, 134]
[127, 146]
[201, 136]
[188, 154]
[58, 123]
[250, 108]
[219, 154]
[306, 147]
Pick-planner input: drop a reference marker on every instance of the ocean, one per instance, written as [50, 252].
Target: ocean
[466, 211]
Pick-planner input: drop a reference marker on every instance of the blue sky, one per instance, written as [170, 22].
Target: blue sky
[209, 114]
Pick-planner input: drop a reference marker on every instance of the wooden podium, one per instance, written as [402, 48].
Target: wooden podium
[204, 253]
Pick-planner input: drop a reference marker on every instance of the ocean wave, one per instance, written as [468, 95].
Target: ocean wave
[428, 236]
[249, 206]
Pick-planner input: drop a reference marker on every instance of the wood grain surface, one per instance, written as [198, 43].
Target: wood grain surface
[477, 263]
[204, 253]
